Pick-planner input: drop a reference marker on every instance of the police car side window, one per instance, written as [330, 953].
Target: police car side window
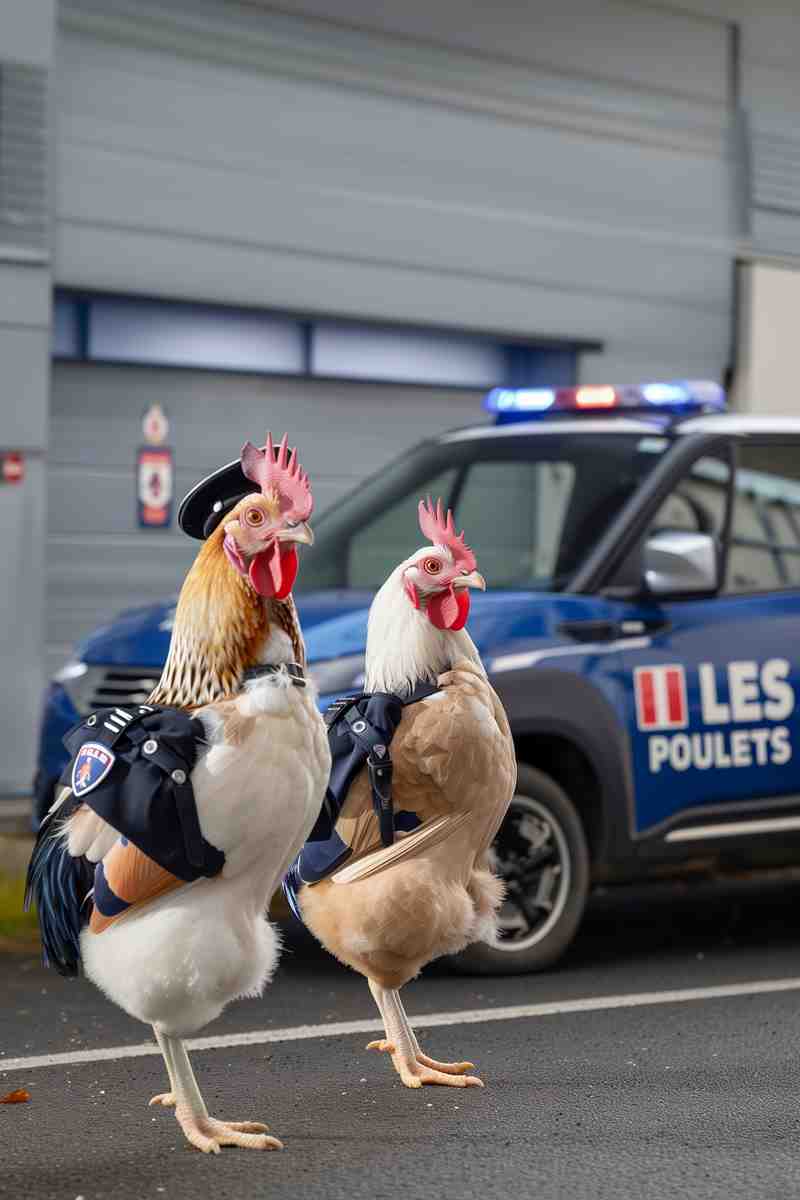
[513, 512]
[378, 546]
[764, 552]
[698, 503]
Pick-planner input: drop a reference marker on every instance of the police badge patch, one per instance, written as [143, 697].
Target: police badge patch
[92, 763]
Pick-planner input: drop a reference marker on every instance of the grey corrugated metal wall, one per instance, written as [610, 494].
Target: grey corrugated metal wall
[26, 47]
[99, 561]
[768, 50]
[533, 168]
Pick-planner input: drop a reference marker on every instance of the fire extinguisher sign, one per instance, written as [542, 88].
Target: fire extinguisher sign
[155, 486]
[154, 472]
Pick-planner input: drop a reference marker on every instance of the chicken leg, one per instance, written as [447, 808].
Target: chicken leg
[167, 1099]
[203, 1131]
[413, 1067]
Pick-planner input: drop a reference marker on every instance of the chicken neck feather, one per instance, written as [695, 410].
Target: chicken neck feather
[222, 627]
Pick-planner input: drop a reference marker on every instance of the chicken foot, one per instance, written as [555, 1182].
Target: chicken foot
[201, 1130]
[413, 1067]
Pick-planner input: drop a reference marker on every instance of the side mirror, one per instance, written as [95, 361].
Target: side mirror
[677, 563]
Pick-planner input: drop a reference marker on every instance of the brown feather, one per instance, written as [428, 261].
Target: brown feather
[452, 755]
[133, 877]
[284, 613]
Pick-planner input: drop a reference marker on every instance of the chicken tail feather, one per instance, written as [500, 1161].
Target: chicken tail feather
[58, 884]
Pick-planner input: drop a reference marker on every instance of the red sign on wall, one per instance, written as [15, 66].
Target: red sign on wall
[154, 478]
[13, 467]
[154, 471]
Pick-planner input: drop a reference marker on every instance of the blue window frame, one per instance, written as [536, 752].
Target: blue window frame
[149, 332]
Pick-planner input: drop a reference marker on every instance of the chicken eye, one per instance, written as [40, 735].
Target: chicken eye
[254, 516]
[432, 565]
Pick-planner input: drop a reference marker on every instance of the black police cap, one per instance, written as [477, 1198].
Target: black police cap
[212, 498]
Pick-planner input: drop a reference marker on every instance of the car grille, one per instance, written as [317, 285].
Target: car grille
[121, 685]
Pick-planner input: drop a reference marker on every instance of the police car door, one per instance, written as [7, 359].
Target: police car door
[711, 696]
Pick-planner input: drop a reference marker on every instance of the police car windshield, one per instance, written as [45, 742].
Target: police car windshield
[531, 506]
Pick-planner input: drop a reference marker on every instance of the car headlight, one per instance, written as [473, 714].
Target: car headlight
[77, 680]
[338, 674]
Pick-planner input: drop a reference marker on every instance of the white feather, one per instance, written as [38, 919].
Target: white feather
[179, 961]
[253, 798]
[88, 835]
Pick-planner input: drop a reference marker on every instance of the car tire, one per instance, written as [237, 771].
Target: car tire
[542, 854]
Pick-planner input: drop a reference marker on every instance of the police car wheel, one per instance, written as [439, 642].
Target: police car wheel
[541, 854]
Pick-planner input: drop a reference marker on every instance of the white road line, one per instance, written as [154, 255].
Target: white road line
[472, 1016]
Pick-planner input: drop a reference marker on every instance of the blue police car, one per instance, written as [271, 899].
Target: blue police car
[642, 548]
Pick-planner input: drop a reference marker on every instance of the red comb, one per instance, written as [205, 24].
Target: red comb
[281, 472]
[440, 530]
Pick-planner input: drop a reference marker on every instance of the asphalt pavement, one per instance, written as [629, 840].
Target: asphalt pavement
[698, 1098]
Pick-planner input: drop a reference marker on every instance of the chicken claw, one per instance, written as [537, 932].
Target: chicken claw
[457, 1068]
[382, 1045]
[417, 1069]
[167, 1099]
[414, 1074]
[209, 1135]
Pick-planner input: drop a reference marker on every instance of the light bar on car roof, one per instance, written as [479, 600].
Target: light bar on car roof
[678, 397]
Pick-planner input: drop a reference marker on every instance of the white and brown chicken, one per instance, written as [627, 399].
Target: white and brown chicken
[168, 944]
[391, 909]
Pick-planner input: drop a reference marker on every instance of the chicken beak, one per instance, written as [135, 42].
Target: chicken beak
[300, 533]
[473, 580]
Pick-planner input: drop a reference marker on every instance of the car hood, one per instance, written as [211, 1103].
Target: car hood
[140, 636]
[495, 619]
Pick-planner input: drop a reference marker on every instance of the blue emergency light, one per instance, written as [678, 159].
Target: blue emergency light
[683, 397]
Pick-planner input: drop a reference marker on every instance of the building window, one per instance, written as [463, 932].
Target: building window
[193, 335]
[66, 331]
[143, 332]
[399, 355]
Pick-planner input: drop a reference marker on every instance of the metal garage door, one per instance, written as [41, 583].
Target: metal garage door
[99, 561]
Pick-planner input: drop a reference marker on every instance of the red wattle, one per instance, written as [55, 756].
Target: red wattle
[450, 609]
[273, 572]
[411, 592]
[289, 566]
[233, 554]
